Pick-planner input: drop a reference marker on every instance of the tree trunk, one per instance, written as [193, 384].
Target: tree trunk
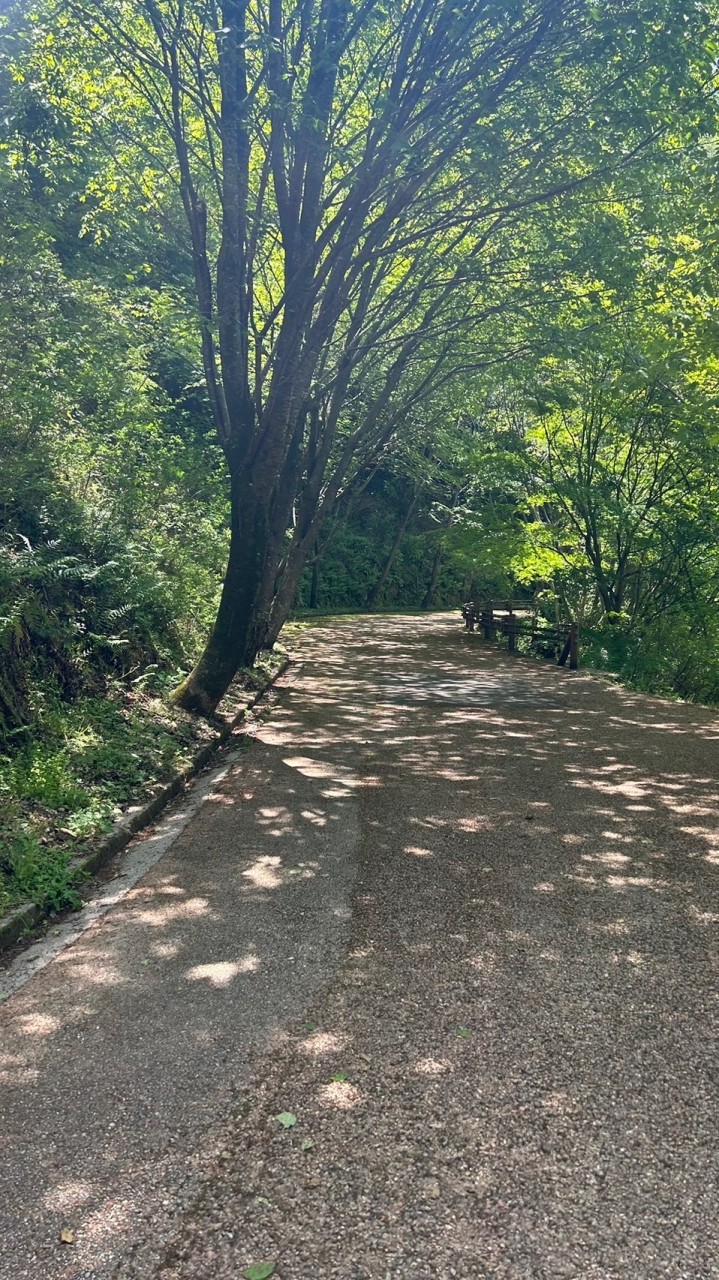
[235, 639]
[314, 585]
[436, 566]
[286, 591]
[374, 594]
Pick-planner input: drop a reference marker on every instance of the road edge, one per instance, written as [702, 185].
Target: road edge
[21, 920]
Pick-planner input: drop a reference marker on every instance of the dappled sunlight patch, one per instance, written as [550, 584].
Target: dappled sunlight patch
[166, 887]
[166, 950]
[68, 1195]
[709, 732]
[708, 834]
[319, 1043]
[704, 917]
[109, 1222]
[275, 821]
[309, 767]
[312, 768]
[473, 824]
[95, 969]
[263, 874]
[636, 882]
[271, 814]
[15, 1073]
[433, 1067]
[585, 879]
[633, 790]
[698, 810]
[544, 886]
[417, 851]
[611, 859]
[339, 1095]
[316, 817]
[190, 909]
[37, 1024]
[221, 973]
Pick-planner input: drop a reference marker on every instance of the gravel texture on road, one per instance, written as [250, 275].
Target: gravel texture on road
[512, 1071]
[119, 1057]
[515, 1073]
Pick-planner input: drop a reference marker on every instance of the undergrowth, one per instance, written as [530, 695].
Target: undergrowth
[84, 763]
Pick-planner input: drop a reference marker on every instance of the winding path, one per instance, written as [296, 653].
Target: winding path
[454, 911]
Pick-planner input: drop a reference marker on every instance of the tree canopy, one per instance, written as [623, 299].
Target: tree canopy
[352, 205]
[351, 303]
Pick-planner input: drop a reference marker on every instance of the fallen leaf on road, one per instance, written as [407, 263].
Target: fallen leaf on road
[339, 1077]
[307, 1144]
[67, 1236]
[463, 1032]
[260, 1271]
[287, 1120]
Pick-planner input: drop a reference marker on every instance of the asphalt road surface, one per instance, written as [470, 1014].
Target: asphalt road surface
[454, 916]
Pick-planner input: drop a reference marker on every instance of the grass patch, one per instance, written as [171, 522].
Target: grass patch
[85, 762]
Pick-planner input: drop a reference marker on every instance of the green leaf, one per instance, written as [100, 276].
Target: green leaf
[260, 1271]
[463, 1032]
[307, 1144]
[339, 1077]
[310, 1026]
[287, 1120]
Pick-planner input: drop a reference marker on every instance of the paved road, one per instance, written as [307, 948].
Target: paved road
[118, 1059]
[505, 1066]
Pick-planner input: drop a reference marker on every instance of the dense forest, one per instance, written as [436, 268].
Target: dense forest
[339, 305]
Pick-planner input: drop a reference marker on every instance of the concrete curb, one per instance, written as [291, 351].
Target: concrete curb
[21, 920]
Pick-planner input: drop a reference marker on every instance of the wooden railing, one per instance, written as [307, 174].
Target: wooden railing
[517, 618]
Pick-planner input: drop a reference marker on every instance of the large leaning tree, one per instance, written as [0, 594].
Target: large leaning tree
[349, 172]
